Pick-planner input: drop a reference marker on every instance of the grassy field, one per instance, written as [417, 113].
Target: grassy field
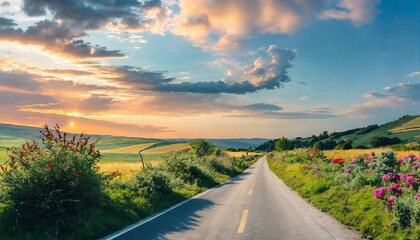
[408, 126]
[129, 149]
[351, 153]
[240, 154]
[167, 148]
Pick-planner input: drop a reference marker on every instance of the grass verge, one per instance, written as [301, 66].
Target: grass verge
[355, 208]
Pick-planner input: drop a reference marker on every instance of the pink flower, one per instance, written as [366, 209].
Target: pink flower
[401, 176]
[417, 196]
[368, 171]
[347, 170]
[409, 181]
[372, 153]
[315, 170]
[369, 159]
[391, 200]
[396, 188]
[387, 177]
[380, 193]
[352, 161]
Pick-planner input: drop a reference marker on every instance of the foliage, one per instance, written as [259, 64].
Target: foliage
[349, 189]
[384, 141]
[53, 183]
[282, 144]
[202, 148]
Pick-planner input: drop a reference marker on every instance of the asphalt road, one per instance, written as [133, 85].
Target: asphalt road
[253, 205]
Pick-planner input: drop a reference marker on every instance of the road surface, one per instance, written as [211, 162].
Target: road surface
[253, 205]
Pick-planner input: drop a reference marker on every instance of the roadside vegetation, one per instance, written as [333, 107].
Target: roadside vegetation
[375, 193]
[55, 190]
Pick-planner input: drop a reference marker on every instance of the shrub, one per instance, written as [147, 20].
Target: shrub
[51, 183]
[152, 183]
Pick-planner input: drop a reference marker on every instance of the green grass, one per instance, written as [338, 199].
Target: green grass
[129, 157]
[355, 208]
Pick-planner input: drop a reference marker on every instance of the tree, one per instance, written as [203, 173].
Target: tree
[202, 148]
[282, 144]
[384, 141]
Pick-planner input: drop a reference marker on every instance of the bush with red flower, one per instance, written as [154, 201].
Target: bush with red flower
[51, 182]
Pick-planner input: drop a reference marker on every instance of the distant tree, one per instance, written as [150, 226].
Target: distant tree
[344, 145]
[384, 141]
[202, 148]
[282, 144]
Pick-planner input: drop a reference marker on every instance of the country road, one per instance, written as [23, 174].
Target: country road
[253, 205]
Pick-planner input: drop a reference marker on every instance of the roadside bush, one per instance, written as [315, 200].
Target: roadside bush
[50, 184]
[152, 183]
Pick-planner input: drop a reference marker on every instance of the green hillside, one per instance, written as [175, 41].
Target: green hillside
[386, 130]
[407, 129]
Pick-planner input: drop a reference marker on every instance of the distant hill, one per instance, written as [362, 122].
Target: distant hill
[406, 128]
[116, 148]
[238, 142]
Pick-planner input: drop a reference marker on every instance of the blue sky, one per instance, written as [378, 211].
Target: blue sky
[196, 68]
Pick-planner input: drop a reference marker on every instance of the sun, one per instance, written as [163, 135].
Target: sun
[71, 124]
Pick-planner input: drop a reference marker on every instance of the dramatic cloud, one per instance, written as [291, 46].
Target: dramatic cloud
[268, 73]
[357, 11]
[222, 24]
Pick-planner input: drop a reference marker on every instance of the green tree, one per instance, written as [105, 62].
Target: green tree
[202, 148]
[282, 144]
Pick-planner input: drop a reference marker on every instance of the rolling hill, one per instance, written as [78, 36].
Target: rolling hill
[118, 148]
[406, 128]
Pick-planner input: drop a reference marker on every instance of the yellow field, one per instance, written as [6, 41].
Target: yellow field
[240, 154]
[130, 149]
[168, 148]
[124, 168]
[408, 126]
[351, 153]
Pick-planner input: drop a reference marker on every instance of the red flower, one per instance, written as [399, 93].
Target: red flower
[49, 164]
[337, 161]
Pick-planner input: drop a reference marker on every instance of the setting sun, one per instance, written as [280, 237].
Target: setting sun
[71, 124]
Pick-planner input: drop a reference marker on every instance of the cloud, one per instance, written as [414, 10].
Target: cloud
[401, 98]
[58, 37]
[413, 74]
[373, 94]
[262, 74]
[221, 25]
[303, 98]
[5, 22]
[96, 103]
[358, 11]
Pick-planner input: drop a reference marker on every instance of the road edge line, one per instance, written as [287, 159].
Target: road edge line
[158, 214]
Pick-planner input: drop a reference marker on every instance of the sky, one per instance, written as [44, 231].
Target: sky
[208, 68]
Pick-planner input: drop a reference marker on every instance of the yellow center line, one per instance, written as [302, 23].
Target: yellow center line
[243, 222]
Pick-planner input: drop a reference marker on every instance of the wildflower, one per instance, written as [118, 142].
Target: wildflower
[347, 170]
[387, 177]
[380, 193]
[49, 164]
[315, 170]
[396, 188]
[372, 153]
[368, 171]
[369, 159]
[417, 196]
[352, 161]
[391, 200]
[409, 181]
[401, 176]
[337, 161]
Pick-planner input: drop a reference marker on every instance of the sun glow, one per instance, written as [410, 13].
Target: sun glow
[71, 124]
